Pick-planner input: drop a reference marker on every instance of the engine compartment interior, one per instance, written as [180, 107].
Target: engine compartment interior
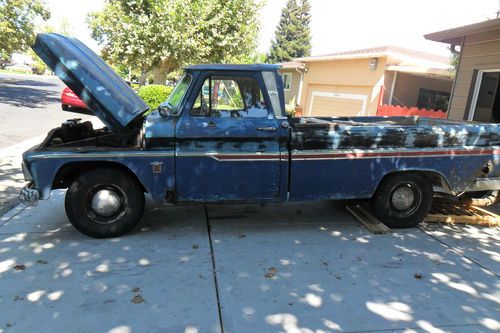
[75, 133]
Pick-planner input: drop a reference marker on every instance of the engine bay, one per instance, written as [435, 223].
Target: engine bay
[75, 133]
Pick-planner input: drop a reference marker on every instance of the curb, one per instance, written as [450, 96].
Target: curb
[21, 146]
[8, 206]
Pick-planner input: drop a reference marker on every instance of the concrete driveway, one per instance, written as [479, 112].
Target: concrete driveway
[278, 268]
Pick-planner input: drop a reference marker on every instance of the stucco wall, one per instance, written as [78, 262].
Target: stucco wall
[408, 86]
[343, 76]
[479, 52]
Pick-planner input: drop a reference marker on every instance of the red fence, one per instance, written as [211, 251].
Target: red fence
[395, 110]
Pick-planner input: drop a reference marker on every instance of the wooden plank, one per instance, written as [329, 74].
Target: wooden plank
[459, 214]
[367, 219]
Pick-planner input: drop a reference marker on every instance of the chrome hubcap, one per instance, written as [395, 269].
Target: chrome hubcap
[106, 202]
[403, 198]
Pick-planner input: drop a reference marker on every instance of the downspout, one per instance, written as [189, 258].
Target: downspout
[454, 51]
[393, 86]
[299, 95]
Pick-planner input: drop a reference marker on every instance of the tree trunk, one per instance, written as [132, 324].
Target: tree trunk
[144, 74]
[159, 75]
[161, 69]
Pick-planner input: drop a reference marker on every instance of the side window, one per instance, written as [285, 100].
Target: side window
[230, 96]
[287, 81]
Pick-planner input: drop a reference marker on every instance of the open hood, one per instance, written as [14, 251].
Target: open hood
[105, 93]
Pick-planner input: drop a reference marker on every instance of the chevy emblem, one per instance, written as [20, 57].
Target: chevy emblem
[156, 166]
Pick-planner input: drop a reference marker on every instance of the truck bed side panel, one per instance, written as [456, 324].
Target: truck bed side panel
[332, 160]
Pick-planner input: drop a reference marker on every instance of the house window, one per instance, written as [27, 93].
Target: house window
[433, 99]
[287, 81]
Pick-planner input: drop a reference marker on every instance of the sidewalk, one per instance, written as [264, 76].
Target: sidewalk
[11, 175]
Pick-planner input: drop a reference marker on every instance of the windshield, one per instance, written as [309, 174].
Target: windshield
[175, 98]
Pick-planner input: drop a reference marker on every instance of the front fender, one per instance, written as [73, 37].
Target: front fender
[153, 169]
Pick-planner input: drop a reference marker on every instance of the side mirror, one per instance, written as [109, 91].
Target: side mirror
[165, 109]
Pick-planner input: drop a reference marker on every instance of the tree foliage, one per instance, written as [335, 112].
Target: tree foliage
[293, 34]
[166, 34]
[17, 24]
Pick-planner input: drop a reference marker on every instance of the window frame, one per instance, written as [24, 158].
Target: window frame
[228, 74]
[284, 78]
[180, 105]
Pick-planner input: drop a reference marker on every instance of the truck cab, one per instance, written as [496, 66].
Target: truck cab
[231, 134]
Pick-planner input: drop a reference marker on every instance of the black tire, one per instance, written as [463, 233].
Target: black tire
[65, 107]
[104, 203]
[403, 200]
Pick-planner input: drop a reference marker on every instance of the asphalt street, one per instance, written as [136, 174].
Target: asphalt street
[30, 106]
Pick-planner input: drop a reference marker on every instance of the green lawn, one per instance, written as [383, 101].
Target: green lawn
[14, 72]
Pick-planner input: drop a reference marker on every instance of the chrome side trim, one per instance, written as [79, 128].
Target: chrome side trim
[304, 155]
[103, 155]
[235, 156]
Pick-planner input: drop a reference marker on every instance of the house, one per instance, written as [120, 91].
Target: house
[476, 89]
[356, 83]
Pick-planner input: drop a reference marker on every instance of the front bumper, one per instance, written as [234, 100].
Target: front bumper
[29, 195]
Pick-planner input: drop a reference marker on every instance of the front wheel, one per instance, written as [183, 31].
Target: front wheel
[104, 203]
[403, 200]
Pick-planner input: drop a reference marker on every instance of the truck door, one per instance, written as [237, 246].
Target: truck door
[228, 141]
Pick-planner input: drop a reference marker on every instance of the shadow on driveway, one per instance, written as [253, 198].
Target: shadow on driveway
[24, 96]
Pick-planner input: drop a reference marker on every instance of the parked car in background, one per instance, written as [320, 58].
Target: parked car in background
[71, 102]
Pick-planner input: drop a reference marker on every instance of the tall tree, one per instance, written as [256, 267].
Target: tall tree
[293, 34]
[127, 30]
[161, 35]
[17, 24]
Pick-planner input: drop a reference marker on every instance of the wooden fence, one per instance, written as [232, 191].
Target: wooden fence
[395, 110]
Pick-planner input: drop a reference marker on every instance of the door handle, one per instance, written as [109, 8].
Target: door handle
[211, 124]
[267, 129]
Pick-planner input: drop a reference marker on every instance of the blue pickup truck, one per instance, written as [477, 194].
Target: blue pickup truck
[223, 137]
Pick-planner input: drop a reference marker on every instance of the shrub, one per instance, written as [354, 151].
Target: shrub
[39, 68]
[154, 94]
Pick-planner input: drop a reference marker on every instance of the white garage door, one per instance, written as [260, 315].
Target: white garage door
[335, 104]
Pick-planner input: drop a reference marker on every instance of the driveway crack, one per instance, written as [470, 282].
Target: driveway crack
[458, 253]
[214, 269]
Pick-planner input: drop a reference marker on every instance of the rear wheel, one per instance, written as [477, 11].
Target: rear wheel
[104, 203]
[403, 200]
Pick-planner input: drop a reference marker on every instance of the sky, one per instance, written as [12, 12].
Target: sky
[338, 25]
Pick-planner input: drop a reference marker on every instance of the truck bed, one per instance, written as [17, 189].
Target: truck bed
[389, 132]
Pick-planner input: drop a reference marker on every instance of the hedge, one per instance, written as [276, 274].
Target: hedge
[154, 94]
